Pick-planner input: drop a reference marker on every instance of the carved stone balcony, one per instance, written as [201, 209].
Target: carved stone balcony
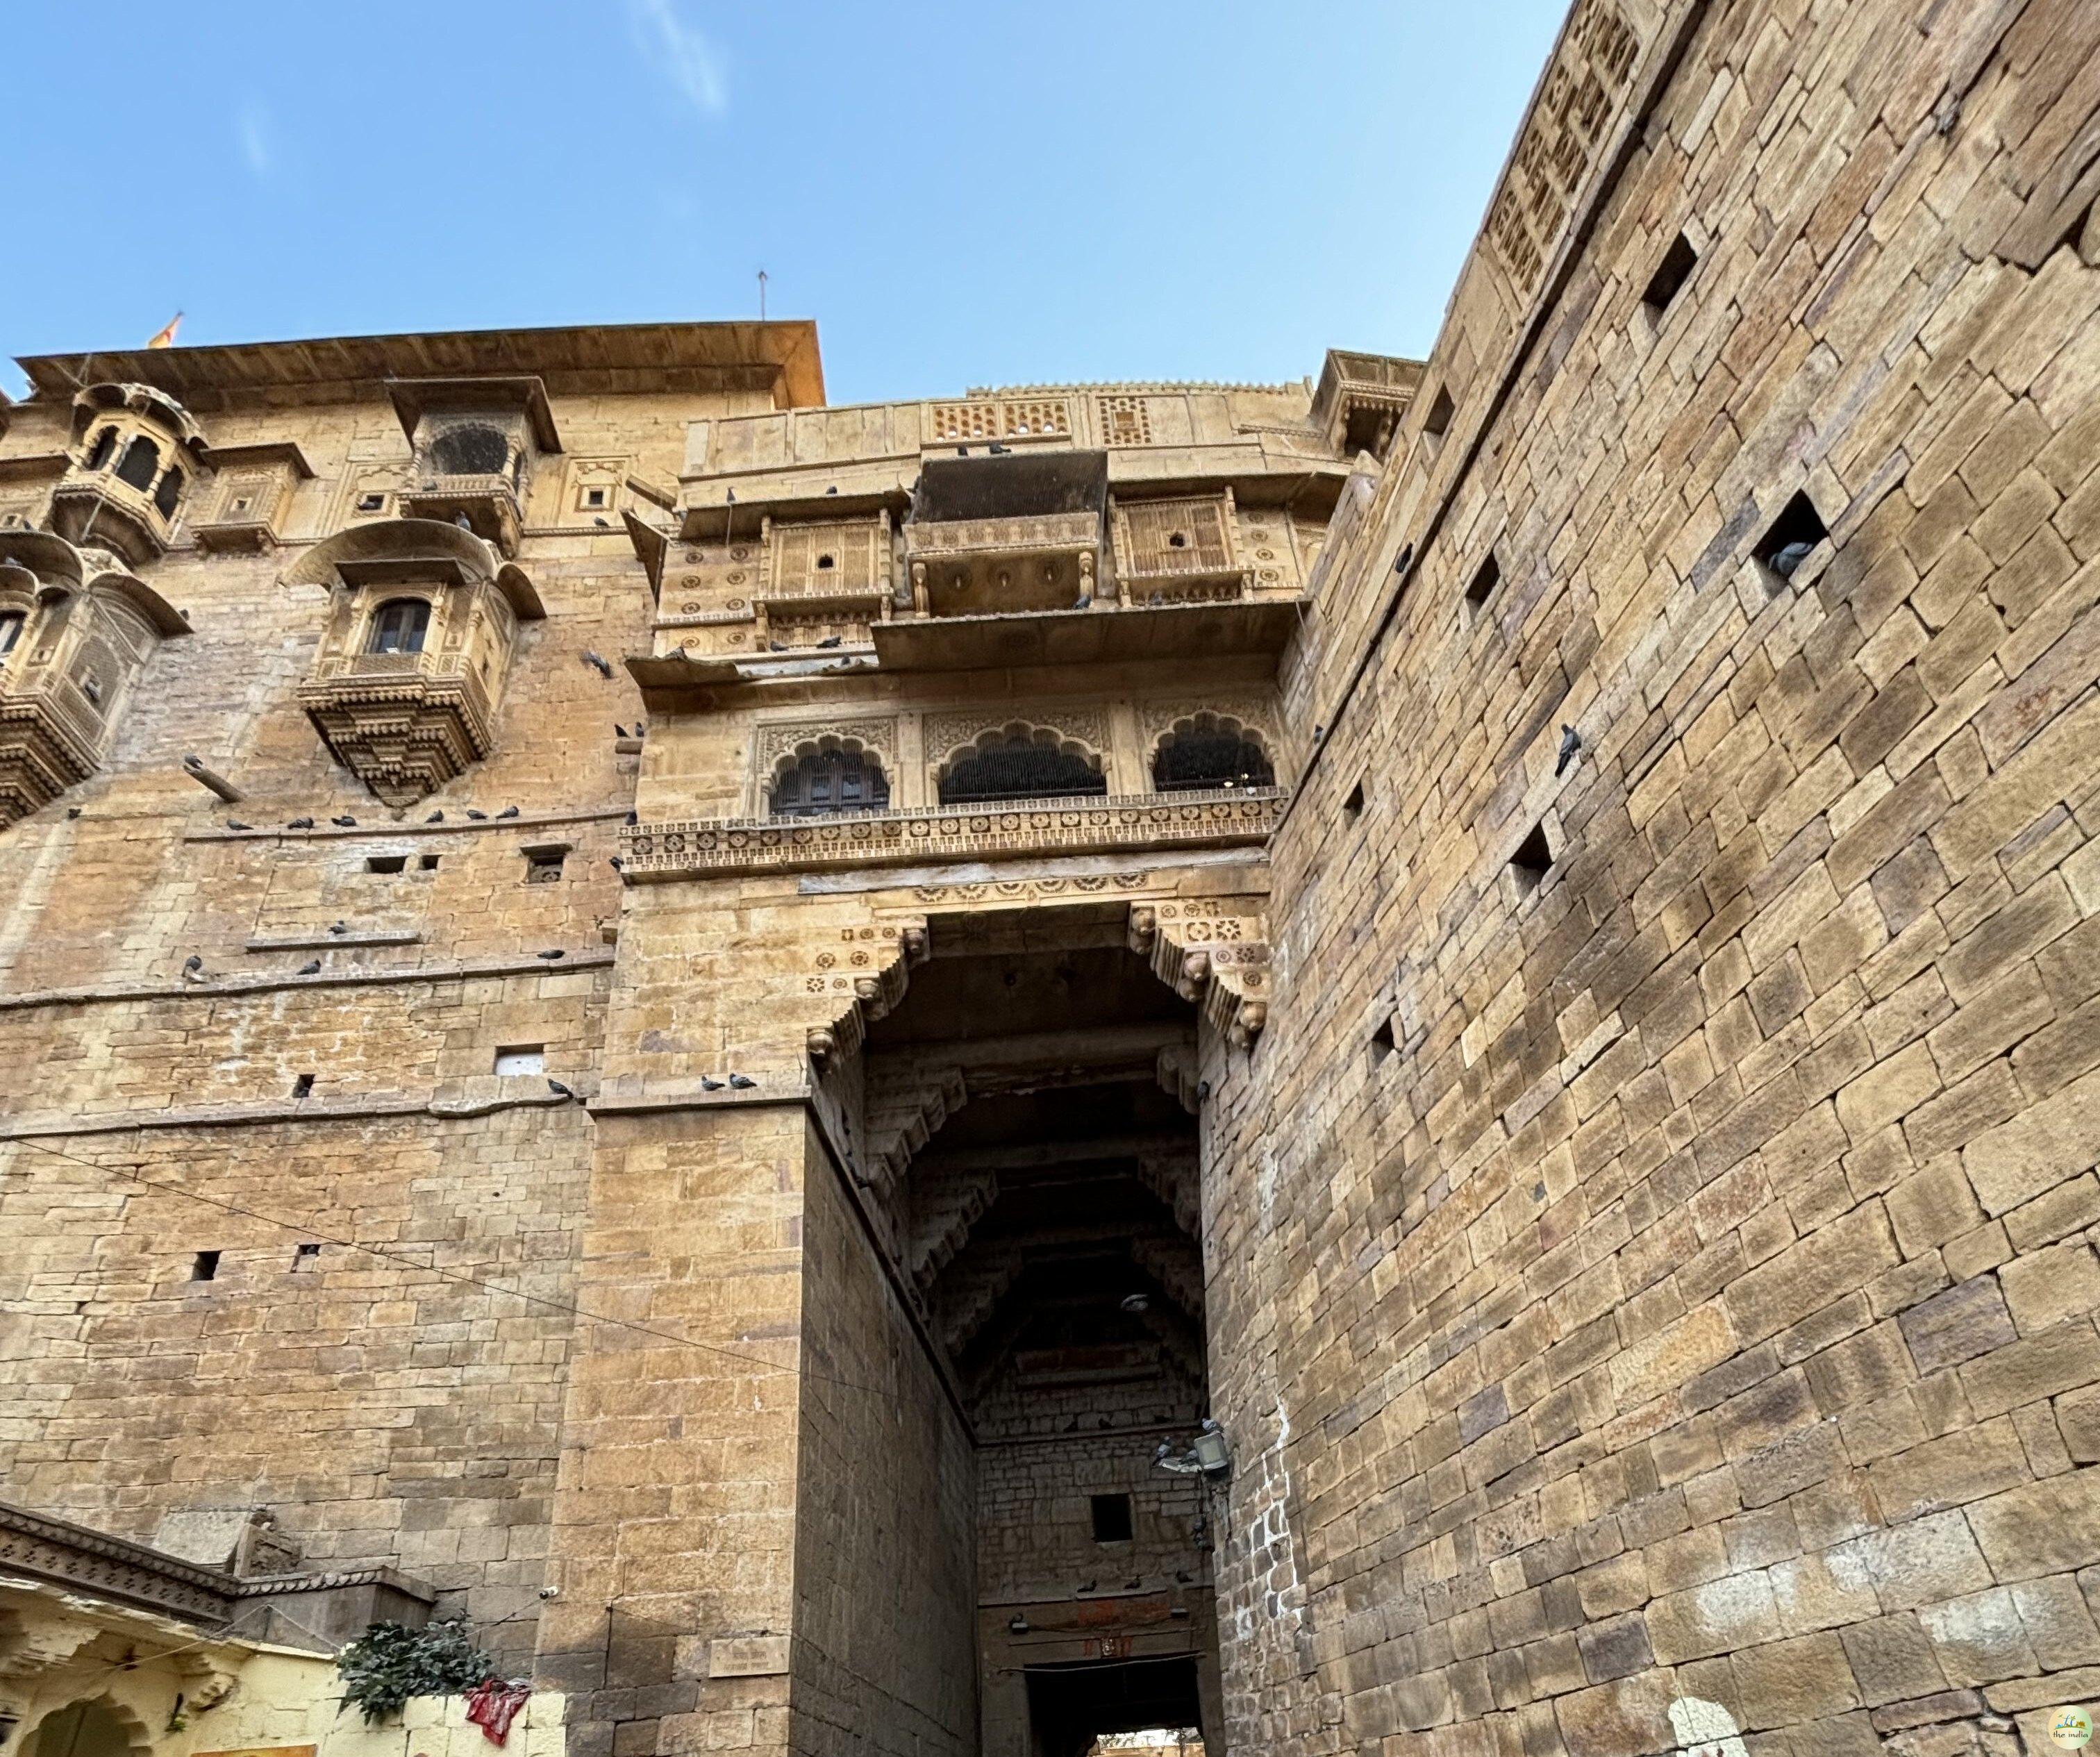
[48, 743]
[487, 504]
[1002, 535]
[101, 510]
[654, 853]
[404, 723]
[982, 566]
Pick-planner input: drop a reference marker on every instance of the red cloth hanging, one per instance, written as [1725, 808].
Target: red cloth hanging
[493, 1704]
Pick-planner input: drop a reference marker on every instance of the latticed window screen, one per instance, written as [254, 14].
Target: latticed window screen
[838, 555]
[1210, 756]
[1018, 768]
[1125, 421]
[830, 780]
[1177, 536]
[1017, 416]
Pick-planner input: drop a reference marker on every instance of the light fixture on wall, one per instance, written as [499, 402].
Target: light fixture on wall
[1020, 1625]
[1207, 1456]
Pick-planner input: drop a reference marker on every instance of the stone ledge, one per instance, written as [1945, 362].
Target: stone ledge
[343, 978]
[323, 940]
[455, 821]
[283, 1110]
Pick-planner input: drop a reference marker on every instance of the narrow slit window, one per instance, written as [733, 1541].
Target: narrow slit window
[1111, 1518]
[386, 863]
[1795, 533]
[1353, 807]
[1533, 857]
[1486, 577]
[521, 1058]
[1437, 422]
[1671, 273]
[204, 1266]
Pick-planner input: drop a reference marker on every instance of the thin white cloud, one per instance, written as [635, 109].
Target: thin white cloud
[681, 53]
[252, 129]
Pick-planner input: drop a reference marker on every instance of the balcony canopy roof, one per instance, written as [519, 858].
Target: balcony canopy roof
[1016, 485]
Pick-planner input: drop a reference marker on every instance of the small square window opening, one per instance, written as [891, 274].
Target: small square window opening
[204, 1266]
[1486, 577]
[426, 863]
[1671, 274]
[1437, 422]
[1353, 807]
[1382, 1044]
[521, 1058]
[594, 496]
[542, 865]
[1532, 859]
[385, 862]
[307, 1256]
[303, 1086]
[371, 503]
[1793, 535]
[1111, 1518]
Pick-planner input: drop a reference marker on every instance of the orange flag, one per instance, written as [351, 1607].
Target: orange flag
[166, 338]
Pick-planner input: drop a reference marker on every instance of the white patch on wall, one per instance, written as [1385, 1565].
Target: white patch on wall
[1705, 1729]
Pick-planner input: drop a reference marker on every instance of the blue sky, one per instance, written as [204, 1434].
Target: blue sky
[960, 194]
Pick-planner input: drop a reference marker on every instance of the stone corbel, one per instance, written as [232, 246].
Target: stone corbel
[31, 1645]
[1213, 952]
[867, 991]
[207, 1678]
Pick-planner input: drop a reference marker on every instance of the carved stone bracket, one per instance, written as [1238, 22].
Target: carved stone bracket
[1213, 952]
[944, 1225]
[903, 1113]
[865, 979]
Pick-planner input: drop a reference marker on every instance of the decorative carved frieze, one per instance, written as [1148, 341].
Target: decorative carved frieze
[695, 848]
[948, 735]
[1215, 952]
[111, 1568]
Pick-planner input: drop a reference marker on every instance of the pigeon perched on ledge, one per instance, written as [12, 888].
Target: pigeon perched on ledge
[741, 1082]
[312, 967]
[300, 823]
[599, 663]
[345, 822]
[1571, 741]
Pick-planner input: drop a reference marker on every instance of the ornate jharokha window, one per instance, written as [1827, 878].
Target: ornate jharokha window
[1209, 755]
[1019, 767]
[828, 781]
[399, 626]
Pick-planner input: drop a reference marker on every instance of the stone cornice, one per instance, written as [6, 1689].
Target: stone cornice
[348, 976]
[653, 852]
[113, 1568]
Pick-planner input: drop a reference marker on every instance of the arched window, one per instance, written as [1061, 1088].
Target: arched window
[825, 781]
[98, 455]
[12, 622]
[473, 448]
[142, 461]
[1020, 768]
[168, 493]
[399, 626]
[81, 1730]
[1208, 755]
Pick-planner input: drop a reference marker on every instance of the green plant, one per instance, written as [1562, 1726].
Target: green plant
[388, 1663]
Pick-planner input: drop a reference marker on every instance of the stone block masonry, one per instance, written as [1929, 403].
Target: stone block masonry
[1586, 1059]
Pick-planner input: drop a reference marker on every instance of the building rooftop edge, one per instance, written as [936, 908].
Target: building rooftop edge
[786, 348]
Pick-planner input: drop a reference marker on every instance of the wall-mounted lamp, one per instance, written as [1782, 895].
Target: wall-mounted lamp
[1020, 1625]
[1208, 1456]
